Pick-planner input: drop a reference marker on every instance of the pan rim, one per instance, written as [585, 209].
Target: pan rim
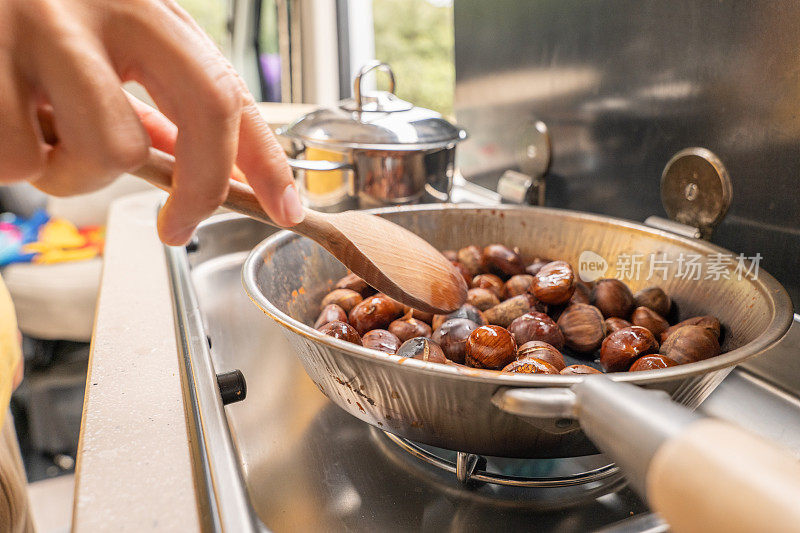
[779, 322]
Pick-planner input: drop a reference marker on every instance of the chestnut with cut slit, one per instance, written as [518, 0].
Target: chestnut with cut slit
[541, 350]
[490, 347]
[554, 283]
[490, 282]
[530, 365]
[347, 299]
[623, 347]
[422, 348]
[381, 340]
[473, 260]
[483, 299]
[518, 284]
[409, 327]
[376, 312]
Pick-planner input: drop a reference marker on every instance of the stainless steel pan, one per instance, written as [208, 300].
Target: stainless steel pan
[452, 407]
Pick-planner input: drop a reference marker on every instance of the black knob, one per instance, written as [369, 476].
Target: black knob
[193, 244]
[232, 386]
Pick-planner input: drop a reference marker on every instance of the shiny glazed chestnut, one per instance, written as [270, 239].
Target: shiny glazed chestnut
[376, 312]
[654, 298]
[490, 347]
[473, 260]
[613, 298]
[615, 324]
[579, 370]
[535, 326]
[519, 284]
[652, 362]
[355, 283]
[347, 299]
[341, 330]
[409, 327]
[583, 327]
[647, 318]
[452, 337]
[623, 347]
[490, 282]
[467, 311]
[541, 350]
[554, 283]
[689, 344]
[530, 365]
[381, 340]
[707, 321]
[330, 313]
[483, 299]
[503, 261]
[423, 349]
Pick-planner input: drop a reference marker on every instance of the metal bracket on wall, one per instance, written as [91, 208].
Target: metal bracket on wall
[696, 192]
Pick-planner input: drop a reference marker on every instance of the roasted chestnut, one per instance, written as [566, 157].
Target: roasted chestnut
[530, 365]
[490, 347]
[330, 313]
[503, 261]
[579, 370]
[409, 327]
[399, 309]
[419, 315]
[652, 362]
[483, 299]
[582, 294]
[536, 326]
[536, 266]
[450, 255]
[615, 324]
[465, 311]
[381, 340]
[541, 350]
[464, 272]
[647, 318]
[423, 349]
[707, 321]
[355, 283]
[505, 313]
[583, 327]
[613, 298]
[518, 284]
[473, 260]
[654, 298]
[623, 347]
[490, 282]
[691, 343]
[376, 312]
[554, 283]
[347, 299]
[452, 337]
[341, 330]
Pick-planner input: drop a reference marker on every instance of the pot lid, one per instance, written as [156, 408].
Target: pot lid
[377, 120]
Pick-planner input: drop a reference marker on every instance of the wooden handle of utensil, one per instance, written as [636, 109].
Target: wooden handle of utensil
[158, 171]
[716, 477]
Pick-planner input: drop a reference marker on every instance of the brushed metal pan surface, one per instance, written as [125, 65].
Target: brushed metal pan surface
[450, 407]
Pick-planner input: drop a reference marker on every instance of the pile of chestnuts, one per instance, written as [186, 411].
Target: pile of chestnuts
[533, 319]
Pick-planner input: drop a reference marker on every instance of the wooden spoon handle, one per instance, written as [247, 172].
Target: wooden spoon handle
[715, 475]
[158, 171]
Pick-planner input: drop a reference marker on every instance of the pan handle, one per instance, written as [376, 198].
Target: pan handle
[319, 166]
[696, 472]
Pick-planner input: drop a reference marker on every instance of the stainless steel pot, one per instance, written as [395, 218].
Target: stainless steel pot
[463, 409]
[374, 149]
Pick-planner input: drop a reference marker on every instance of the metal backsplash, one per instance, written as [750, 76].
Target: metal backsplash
[625, 84]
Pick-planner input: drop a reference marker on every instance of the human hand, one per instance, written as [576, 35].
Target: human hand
[70, 57]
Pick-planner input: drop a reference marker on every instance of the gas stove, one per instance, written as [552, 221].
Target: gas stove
[287, 459]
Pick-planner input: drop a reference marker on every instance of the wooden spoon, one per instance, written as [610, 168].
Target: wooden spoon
[393, 260]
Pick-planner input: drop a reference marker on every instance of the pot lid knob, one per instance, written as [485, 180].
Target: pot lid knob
[696, 189]
[375, 101]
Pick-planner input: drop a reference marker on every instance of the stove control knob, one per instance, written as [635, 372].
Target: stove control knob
[232, 386]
